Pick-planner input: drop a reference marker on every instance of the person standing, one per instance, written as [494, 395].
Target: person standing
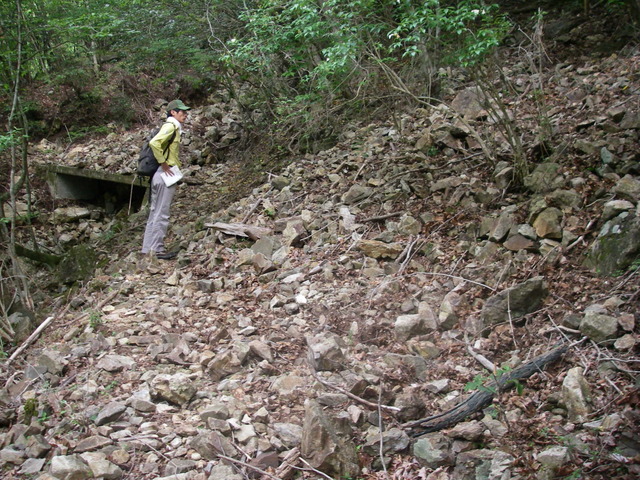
[161, 195]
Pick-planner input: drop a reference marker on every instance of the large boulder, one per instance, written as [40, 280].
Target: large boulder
[209, 444]
[413, 325]
[177, 389]
[483, 464]
[433, 450]
[70, 467]
[599, 327]
[326, 352]
[524, 298]
[576, 395]
[545, 178]
[628, 187]
[378, 249]
[468, 103]
[548, 223]
[78, 264]
[327, 444]
[617, 245]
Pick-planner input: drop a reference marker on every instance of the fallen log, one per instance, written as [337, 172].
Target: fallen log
[40, 257]
[483, 397]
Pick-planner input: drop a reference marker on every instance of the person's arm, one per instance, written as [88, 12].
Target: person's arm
[160, 143]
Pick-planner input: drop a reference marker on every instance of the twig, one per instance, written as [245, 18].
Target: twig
[408, 172]
[562, 329]
[482, 360]
[97, 307]
[613, 385]
[382, 217]
[384, 466]
[313, 469]
[460, 278]
[406, 253]
[255, 206]
[513, 330]
[235, 444]
[244, 464]
[142, 439]
[364, 164]
[351, 395]
[623, 360]
[574, 243]
[409, 252]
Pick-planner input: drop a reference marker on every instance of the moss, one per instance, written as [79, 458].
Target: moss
[30, 410]
[78, 264]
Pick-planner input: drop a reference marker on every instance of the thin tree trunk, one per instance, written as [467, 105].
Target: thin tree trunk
[21, 285]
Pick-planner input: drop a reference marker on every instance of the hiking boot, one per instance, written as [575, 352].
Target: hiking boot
[166, 255]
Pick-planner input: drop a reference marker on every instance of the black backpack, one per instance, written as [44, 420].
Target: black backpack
[147, 163]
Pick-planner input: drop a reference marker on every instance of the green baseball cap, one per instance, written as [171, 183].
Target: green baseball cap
[177, 105]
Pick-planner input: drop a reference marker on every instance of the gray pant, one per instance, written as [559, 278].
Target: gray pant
[158, 221]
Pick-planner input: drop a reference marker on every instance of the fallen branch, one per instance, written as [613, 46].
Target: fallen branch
[408, 253]
[40, 257]
[484, 397]
[382, 217]
[255, 206]
[36, 333]
[31, 338]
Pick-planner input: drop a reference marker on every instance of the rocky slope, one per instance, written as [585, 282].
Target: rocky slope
[306, 327]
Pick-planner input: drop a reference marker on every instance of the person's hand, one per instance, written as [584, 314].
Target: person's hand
[166, 169]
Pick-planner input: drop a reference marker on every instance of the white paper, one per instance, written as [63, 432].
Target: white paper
[172, 179]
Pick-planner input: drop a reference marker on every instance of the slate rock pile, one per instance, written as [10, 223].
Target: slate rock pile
[384, 268]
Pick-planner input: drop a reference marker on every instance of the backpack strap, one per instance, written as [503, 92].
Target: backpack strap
[171, 139]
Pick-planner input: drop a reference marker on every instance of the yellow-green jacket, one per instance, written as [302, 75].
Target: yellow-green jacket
[158, 144]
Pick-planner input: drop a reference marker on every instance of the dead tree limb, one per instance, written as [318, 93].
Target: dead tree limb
[36, 333]
[40, 257]
[382, 217]
[484, 397]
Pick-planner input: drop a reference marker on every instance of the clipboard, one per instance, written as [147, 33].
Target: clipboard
[170, 180]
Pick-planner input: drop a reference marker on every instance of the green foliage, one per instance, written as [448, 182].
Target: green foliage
[635, 265]
[484, 384]
[10, 139]
[26, 218]
[478, 384]
[617, 5]
[110, 387]
[464, 33]
[95, 320]
[308, 58]
[43, 417]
